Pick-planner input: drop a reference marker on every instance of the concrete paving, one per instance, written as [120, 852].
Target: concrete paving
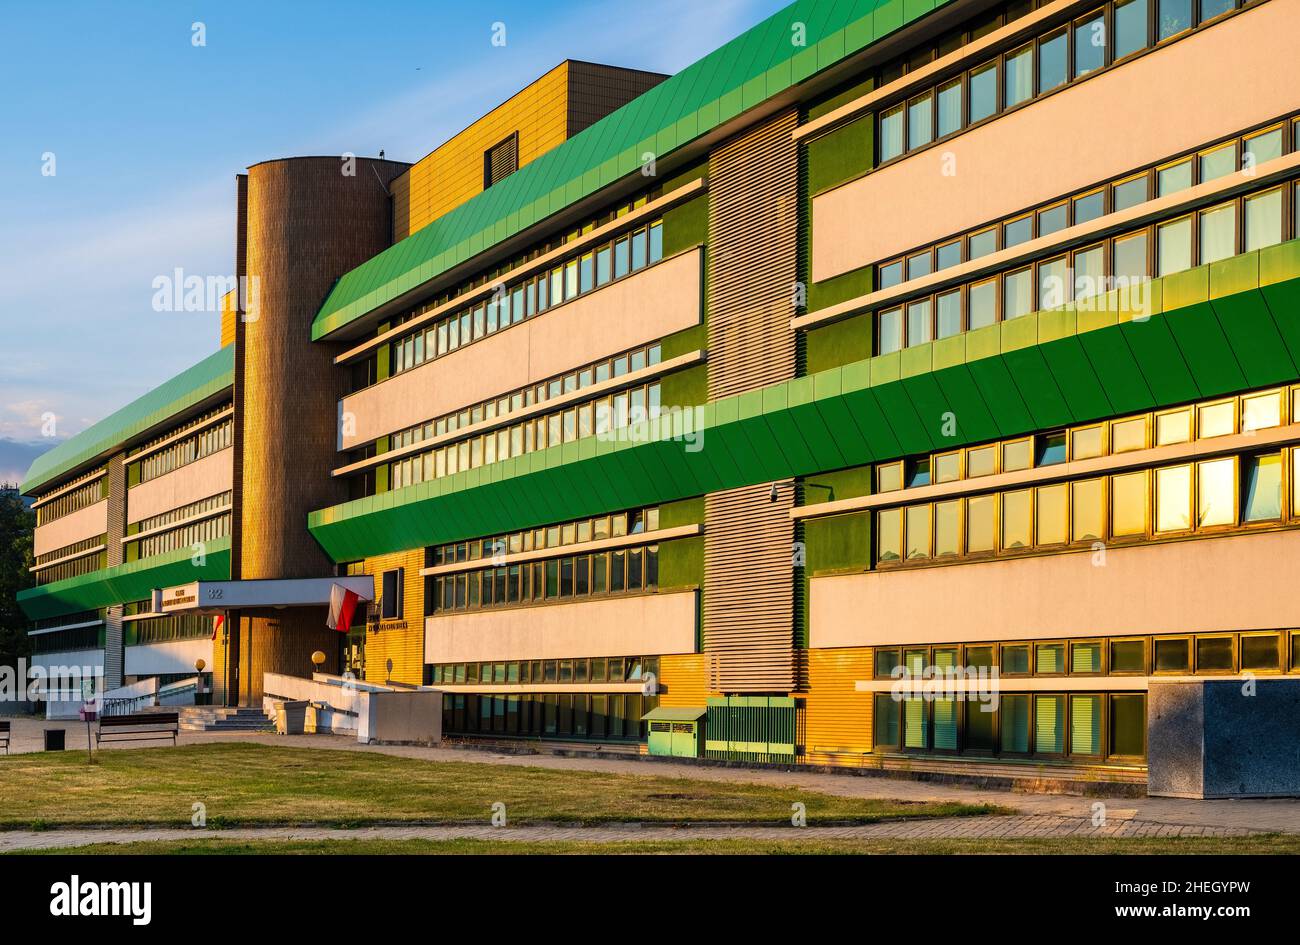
[1269, 815]
[961, 828]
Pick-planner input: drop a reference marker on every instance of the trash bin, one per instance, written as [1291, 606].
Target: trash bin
[291, 717]
[54, 739]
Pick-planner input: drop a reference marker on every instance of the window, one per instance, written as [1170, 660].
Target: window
[1128, 435]
[918, 532]
[1219, 162]
[949, 313]
[1129, 504]
[1014, 712]
[1173, 178]
[1087, 442]
[1017, 294]
[1017, 454]
[1088, 510]
[1131, 257]
[890, 542]
[1173, 499]
[1049, 725]
[1128, 725]
[1261, 652]
[1052, 503]
[918, 323]
[983, 304]
[1017, 519]
[1214, 654]
[1019, 76]
[1052, 61]
[889, 477]
[1128, 656]
[947, 528]
[1264, 220]
[1130, 193]
[949, 108]
[1263, 488]
[949, 254]
[1015, 232]
[891, 275]
[886, 661]
[1053, 283]
[920, 121]
[1085, 658]
[947, 467]
[885, 720]
[1015, 659]
[1174, 246]
[1089, 272]
[1130, 27]
[1049, 659]
[1089, 45]
[1173, 655]
[1218, 229]
[983, 92]
[391, 600]
[981, 461]
[891, 134]
[1174, 427]
[1217, 492]
[1173, 17]
[1261, 412]
[1051, 449]
[1085, 725]
[1261, 148]
[891, 331]
[981, 524]
[1216, 419]
[1212, 8]
[982, 243]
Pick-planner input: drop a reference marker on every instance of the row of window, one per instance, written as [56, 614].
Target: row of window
[182, 453]
[166, 629]
[581, 715]
[77, 566]
[555, 580]
[500, 407]
[1084, 726]
[1265, 651]
[593, 418]
[975, 29]
[85, 616]
[1124, 262]
[210, 504]
[1243, 152]
[1168, 501]
[502, 271]
[73, 501]
[599, 527]
[78, 546]
[620, 257]
[61, 641]
[1059, 56]
[185, 536]
[1247, 413]
[599, 669]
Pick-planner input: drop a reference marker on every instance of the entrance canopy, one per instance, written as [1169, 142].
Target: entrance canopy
[214, 597]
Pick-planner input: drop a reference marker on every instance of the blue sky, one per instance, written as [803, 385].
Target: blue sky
[148, 132]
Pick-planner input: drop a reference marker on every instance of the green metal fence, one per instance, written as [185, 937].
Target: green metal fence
[751, 728]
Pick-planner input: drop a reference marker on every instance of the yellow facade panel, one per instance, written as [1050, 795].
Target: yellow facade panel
[837, 718]
[401, 640]
[684, 681]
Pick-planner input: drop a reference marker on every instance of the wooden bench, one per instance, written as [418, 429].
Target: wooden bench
[4, 735]
[145, 725]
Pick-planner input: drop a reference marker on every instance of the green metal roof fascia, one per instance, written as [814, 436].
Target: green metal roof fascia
[124, 583]
[460, 507]
[662, 714]
[680, 109]
[191, 386]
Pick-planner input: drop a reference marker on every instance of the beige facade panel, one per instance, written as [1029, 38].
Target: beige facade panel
[647, 624]
[1224, 79]
[1230, 583]
[201, 479]
[177, 656]
[70, 529]
[637, 310]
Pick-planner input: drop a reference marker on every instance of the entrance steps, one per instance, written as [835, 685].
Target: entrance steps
[205, 718]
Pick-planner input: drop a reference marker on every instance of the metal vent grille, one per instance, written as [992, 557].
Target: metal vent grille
[501, 160]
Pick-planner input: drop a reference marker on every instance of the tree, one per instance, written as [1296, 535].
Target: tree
[16, 524]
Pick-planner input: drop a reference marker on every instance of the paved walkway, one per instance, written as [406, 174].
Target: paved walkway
[953, 828]
[1272, 815]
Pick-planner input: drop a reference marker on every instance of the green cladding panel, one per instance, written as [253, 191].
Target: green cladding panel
[784, 50]
[195, 385]
[123, 583]
[847, 416]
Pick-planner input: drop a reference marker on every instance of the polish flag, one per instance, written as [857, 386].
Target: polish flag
[216, 624]
[343, 603]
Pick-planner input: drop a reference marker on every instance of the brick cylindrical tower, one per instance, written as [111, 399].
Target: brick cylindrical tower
[308, 221]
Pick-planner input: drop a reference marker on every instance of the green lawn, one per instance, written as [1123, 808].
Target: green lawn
[240, 783]
[1264, 844]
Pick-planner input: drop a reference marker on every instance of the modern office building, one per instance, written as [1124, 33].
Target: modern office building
[889, 336]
